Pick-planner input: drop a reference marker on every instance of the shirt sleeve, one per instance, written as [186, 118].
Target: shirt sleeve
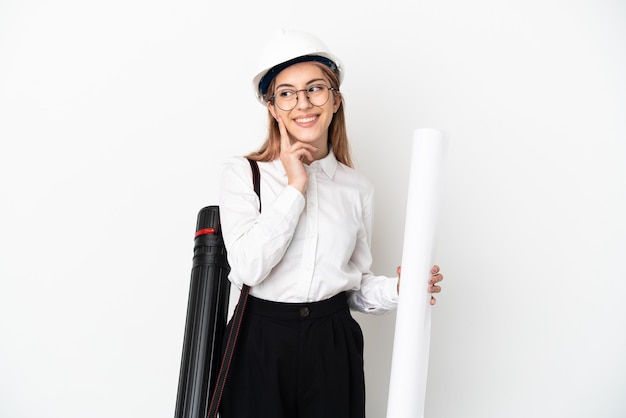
[255, 242]
[377, 294]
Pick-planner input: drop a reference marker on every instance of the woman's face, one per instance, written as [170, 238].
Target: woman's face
[305, 122]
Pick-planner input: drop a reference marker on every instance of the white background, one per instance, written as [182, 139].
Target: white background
[114, 120]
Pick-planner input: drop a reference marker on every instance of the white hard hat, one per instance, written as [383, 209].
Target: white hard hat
[287, 48]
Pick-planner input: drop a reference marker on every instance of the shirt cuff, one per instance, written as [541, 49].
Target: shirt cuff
[289, 200]
[390, 294]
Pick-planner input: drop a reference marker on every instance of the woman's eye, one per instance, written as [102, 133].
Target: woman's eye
[286, 93]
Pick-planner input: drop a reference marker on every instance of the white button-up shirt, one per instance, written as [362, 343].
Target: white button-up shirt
[302, 248]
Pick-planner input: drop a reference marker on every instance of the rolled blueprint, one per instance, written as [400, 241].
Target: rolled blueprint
[409, 365]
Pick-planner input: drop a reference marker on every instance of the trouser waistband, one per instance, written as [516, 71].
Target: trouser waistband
[307, 310]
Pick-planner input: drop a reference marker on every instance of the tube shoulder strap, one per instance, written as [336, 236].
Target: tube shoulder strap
[236, 320]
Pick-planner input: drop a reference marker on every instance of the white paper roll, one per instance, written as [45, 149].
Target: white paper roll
[409, 366]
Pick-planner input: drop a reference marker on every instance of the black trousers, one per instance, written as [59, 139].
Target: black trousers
[297, 360]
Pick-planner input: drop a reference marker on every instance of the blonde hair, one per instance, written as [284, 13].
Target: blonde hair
[337, 133]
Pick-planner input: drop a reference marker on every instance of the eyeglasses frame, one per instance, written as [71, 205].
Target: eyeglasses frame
[273, 98]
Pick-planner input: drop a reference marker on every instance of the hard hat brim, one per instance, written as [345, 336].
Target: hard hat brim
[262, 80]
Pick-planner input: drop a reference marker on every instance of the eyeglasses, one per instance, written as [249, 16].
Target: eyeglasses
[286, 99]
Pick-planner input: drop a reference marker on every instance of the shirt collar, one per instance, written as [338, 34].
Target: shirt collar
[328, 164]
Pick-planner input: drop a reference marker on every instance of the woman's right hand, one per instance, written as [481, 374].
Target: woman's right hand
[292, 157]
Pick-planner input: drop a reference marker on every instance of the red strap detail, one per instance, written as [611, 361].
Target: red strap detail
[205, 231]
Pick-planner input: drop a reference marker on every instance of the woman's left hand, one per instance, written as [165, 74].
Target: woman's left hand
[435, 277]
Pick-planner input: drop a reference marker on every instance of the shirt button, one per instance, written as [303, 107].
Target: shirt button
[304, 312]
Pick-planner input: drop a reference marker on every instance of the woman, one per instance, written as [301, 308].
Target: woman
[304, 248]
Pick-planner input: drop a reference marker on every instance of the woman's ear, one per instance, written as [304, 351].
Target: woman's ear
[271, 109]
[338, 100]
